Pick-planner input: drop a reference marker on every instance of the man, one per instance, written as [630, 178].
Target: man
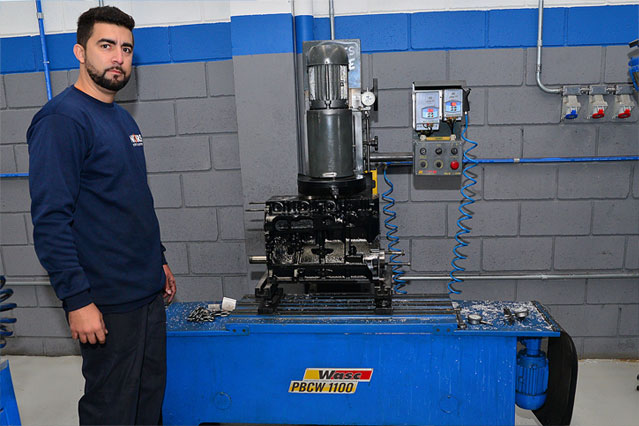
[95, 230]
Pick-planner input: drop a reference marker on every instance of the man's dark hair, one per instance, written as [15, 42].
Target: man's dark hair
[106, 14]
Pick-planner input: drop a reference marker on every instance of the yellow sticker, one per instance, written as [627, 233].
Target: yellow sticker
[331, 380]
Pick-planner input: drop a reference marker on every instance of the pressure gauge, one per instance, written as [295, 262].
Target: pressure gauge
[368, 98]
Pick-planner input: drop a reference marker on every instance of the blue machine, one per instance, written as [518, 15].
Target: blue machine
[427, 366]
[351, 349]
[9, 414]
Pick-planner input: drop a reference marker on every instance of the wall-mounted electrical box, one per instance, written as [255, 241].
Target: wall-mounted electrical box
[427, 108]
[438, 109]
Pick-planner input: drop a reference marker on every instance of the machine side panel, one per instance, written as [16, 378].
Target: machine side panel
[416, 378]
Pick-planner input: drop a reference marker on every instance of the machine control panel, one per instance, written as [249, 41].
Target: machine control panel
[436, 157]
[453, 104]
[427, 112]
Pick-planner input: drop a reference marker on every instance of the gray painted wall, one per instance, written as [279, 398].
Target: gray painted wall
[222, 134]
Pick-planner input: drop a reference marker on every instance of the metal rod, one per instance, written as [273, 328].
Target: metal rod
[257, 259]
[522, 277]
[385, 157]
[447, 277]
[540, 31]
[331, 14]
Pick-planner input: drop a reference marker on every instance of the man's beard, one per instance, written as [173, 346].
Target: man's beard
[104, 82]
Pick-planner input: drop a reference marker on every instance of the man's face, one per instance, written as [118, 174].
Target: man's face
[109, 55]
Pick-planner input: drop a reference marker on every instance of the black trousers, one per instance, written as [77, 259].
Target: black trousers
[126, 376]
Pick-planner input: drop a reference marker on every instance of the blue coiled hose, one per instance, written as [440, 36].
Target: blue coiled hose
[393, 240]
[5, 293]
[469, 163]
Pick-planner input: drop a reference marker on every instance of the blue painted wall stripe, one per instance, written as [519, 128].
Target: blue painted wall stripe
[200, 42]
[16, 55]
[602, 25]
[448, 30]
[151, 46]
[378, 33]
[304, 30]
[261, 34]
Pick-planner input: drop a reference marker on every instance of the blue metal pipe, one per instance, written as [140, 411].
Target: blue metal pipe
[482, 161]
[45, 56]
[9, 175]
[538, 160]
[557, 159]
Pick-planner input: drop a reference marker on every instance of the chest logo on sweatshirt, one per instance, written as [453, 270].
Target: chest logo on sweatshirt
[136, 140]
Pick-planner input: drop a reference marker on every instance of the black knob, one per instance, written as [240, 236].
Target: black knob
[438, 151]
[422, 151]
[454, 151]
[422, 164]
[439, 164]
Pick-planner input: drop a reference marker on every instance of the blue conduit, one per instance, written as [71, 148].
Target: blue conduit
[479, 161]
[45, 56]
[5, 293]
[467, 194]
[393, 240]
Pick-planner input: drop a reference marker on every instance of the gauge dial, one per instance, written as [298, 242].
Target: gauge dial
[368, 98]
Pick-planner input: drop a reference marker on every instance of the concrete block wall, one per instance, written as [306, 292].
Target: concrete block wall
[220, 135]
[187, 116]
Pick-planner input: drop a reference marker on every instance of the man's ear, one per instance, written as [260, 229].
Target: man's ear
[78, 51]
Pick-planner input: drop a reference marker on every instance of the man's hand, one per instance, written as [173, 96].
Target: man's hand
[169, 286]
[87, 325]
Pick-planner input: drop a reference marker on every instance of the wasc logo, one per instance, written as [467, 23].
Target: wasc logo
[331, 380]
[136, 140]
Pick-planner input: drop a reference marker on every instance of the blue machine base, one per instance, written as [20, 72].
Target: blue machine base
[406, 369]
[9, 414]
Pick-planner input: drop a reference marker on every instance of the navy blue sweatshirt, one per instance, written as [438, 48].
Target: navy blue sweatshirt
[95, 230]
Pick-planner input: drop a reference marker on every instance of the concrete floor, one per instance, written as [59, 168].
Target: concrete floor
[48, 388]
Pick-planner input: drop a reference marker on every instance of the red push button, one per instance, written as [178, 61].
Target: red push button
[624, 114]
[598, 114]
[454, 165]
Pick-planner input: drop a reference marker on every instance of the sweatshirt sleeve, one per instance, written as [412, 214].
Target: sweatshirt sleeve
[163, 249]
[57, 148]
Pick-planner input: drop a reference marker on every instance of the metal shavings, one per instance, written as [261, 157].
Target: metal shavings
[202, 314]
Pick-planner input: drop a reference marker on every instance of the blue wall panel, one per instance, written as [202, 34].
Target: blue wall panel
[151, 46]
[200, 42]
[602, 25]
[304, 30]
[16, 55]
[448, 30]
[260, 34]
[378, 33]
[518, 28]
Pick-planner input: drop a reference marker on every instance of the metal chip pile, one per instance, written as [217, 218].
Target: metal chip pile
[203, 314]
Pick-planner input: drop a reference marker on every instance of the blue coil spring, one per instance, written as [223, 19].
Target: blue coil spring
[5, 293]
[393, 240]
[469, 163]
